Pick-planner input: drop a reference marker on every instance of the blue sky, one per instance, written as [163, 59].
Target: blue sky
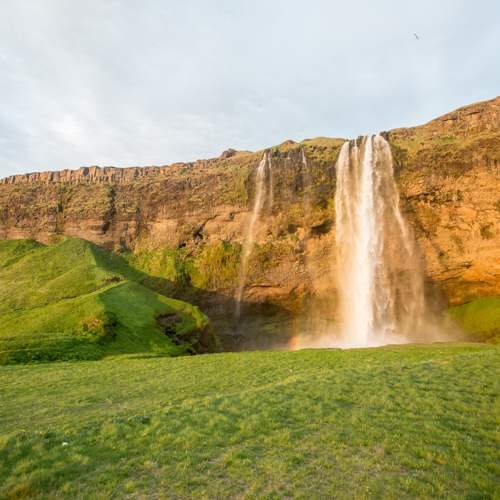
[134, 82]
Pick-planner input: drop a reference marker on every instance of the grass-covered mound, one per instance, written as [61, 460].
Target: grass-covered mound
[479, 319]
[74, 300]
[394, 422]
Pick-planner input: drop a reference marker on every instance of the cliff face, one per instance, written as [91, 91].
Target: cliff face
[448, 172]
[449, 177]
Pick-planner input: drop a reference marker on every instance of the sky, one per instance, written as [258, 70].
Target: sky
[136, 82]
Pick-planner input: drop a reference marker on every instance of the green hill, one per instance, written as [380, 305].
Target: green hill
[74, 300]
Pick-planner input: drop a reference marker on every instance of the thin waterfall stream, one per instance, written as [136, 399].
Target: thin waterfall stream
[263, 172]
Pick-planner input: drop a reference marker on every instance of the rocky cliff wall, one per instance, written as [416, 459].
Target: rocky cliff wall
[448, 172]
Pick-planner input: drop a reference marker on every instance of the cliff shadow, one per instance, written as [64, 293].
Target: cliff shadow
[260, 326]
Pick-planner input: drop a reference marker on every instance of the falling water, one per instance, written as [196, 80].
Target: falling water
[270, 190]
[380, 281]
[306, 184]
[260, 198]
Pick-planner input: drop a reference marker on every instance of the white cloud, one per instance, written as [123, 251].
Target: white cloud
[130, 83]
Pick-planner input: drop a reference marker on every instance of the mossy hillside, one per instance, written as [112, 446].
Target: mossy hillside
[207, 267]
[74, 300]
[479, 319]
[13, 250]
[165, 267]
[47, 274]
[78, 328]
[216, 266]
[210, 266]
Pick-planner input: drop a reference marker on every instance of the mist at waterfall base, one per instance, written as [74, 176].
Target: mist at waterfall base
[376, 267]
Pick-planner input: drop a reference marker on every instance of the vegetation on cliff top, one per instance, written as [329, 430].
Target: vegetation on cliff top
[406, 422]
[74, 300]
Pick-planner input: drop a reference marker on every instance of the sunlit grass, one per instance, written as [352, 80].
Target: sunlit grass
[396, 421]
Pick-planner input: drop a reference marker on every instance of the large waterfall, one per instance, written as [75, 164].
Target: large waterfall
[380, 281]
[261, 193]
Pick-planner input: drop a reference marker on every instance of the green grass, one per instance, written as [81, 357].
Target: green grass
[13, 250]
[479, 319]
[212, 266]
[74, 300]
[394, 422]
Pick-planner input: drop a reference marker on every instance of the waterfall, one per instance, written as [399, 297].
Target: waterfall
[306, 186]
[270, 190]
[259, 202]
[380, 280]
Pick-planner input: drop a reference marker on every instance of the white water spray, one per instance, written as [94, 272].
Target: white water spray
[259, 202]
[380, 281]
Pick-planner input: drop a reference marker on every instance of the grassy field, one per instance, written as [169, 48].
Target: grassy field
[92, 405]
[393, 422]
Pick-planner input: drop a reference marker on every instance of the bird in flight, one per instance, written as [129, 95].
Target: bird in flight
[416, 36]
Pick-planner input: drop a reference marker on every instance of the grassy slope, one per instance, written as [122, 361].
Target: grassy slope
[75, 300]
[479, 319]
[396, 421]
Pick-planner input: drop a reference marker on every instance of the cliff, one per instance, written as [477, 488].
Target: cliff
[195, 214]
[449, 177]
